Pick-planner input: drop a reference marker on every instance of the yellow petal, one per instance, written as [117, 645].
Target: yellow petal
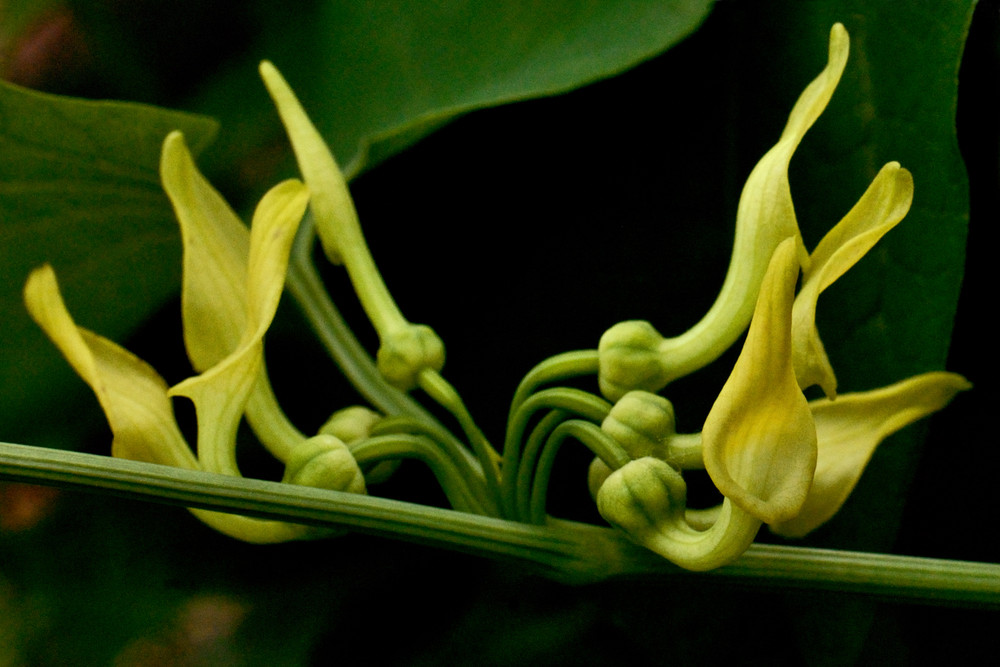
[850, 428]
[216, 245]
[132, 395]
[764, 218]
[881, 207]
[333, 209]
[220, 394]
[214, 290]
[759, 440]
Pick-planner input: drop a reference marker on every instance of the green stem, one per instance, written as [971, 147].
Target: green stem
[441, 391]
[566, 551]
[468, 467]
[576, 401]
[554, 369]
[343, 347]
[591, 435]
[529, 456]
[448, 475]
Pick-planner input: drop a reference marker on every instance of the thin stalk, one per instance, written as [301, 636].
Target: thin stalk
[468, 468]
[347, 353]
[405, 446]
[591, 435]
[441, 391]
[576, 401]
[554, 369]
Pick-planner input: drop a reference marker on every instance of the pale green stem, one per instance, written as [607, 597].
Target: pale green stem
[402, 446]
[269, 422]
[591, 435]
[555, 369]
[529, 457]
[574, 400]
[563, 550]
[684, 451]
[441, 391]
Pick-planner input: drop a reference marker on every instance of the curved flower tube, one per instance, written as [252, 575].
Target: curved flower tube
[646, 498]
[764, 218]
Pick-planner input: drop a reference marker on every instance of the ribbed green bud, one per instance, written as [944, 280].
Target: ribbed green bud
[642, 497]
[408, 351]
[324, 462]
[629, 358]
[647, 499]
[641, 422]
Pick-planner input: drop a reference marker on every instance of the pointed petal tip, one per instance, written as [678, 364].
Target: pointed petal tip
[840, 40]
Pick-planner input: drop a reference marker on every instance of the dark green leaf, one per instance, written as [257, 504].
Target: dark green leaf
[376, 76]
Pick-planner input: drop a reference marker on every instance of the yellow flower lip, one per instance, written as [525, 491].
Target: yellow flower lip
[883, 205]
[759, 439]
[850, 428]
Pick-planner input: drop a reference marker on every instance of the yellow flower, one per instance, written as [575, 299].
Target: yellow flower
[406, 350]
[776, 458]
[232, 285]
[790, 463]
[633, 355]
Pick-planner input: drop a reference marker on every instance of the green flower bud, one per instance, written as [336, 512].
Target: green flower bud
[354, 424]
[641, 423]
[647, 499]
[642, 496]
[408, 351]
[324, 462]
[351, 424]
[629, 358]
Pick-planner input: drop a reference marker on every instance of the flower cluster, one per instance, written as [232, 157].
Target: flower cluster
[232, 282]
[777, 458]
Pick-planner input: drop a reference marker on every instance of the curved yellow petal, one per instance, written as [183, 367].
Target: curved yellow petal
[883, 205]
[759, 440]
[220, 394]
[850, 428]
[214, 290]
[333, 209]
[132, 395]
[216, 244]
